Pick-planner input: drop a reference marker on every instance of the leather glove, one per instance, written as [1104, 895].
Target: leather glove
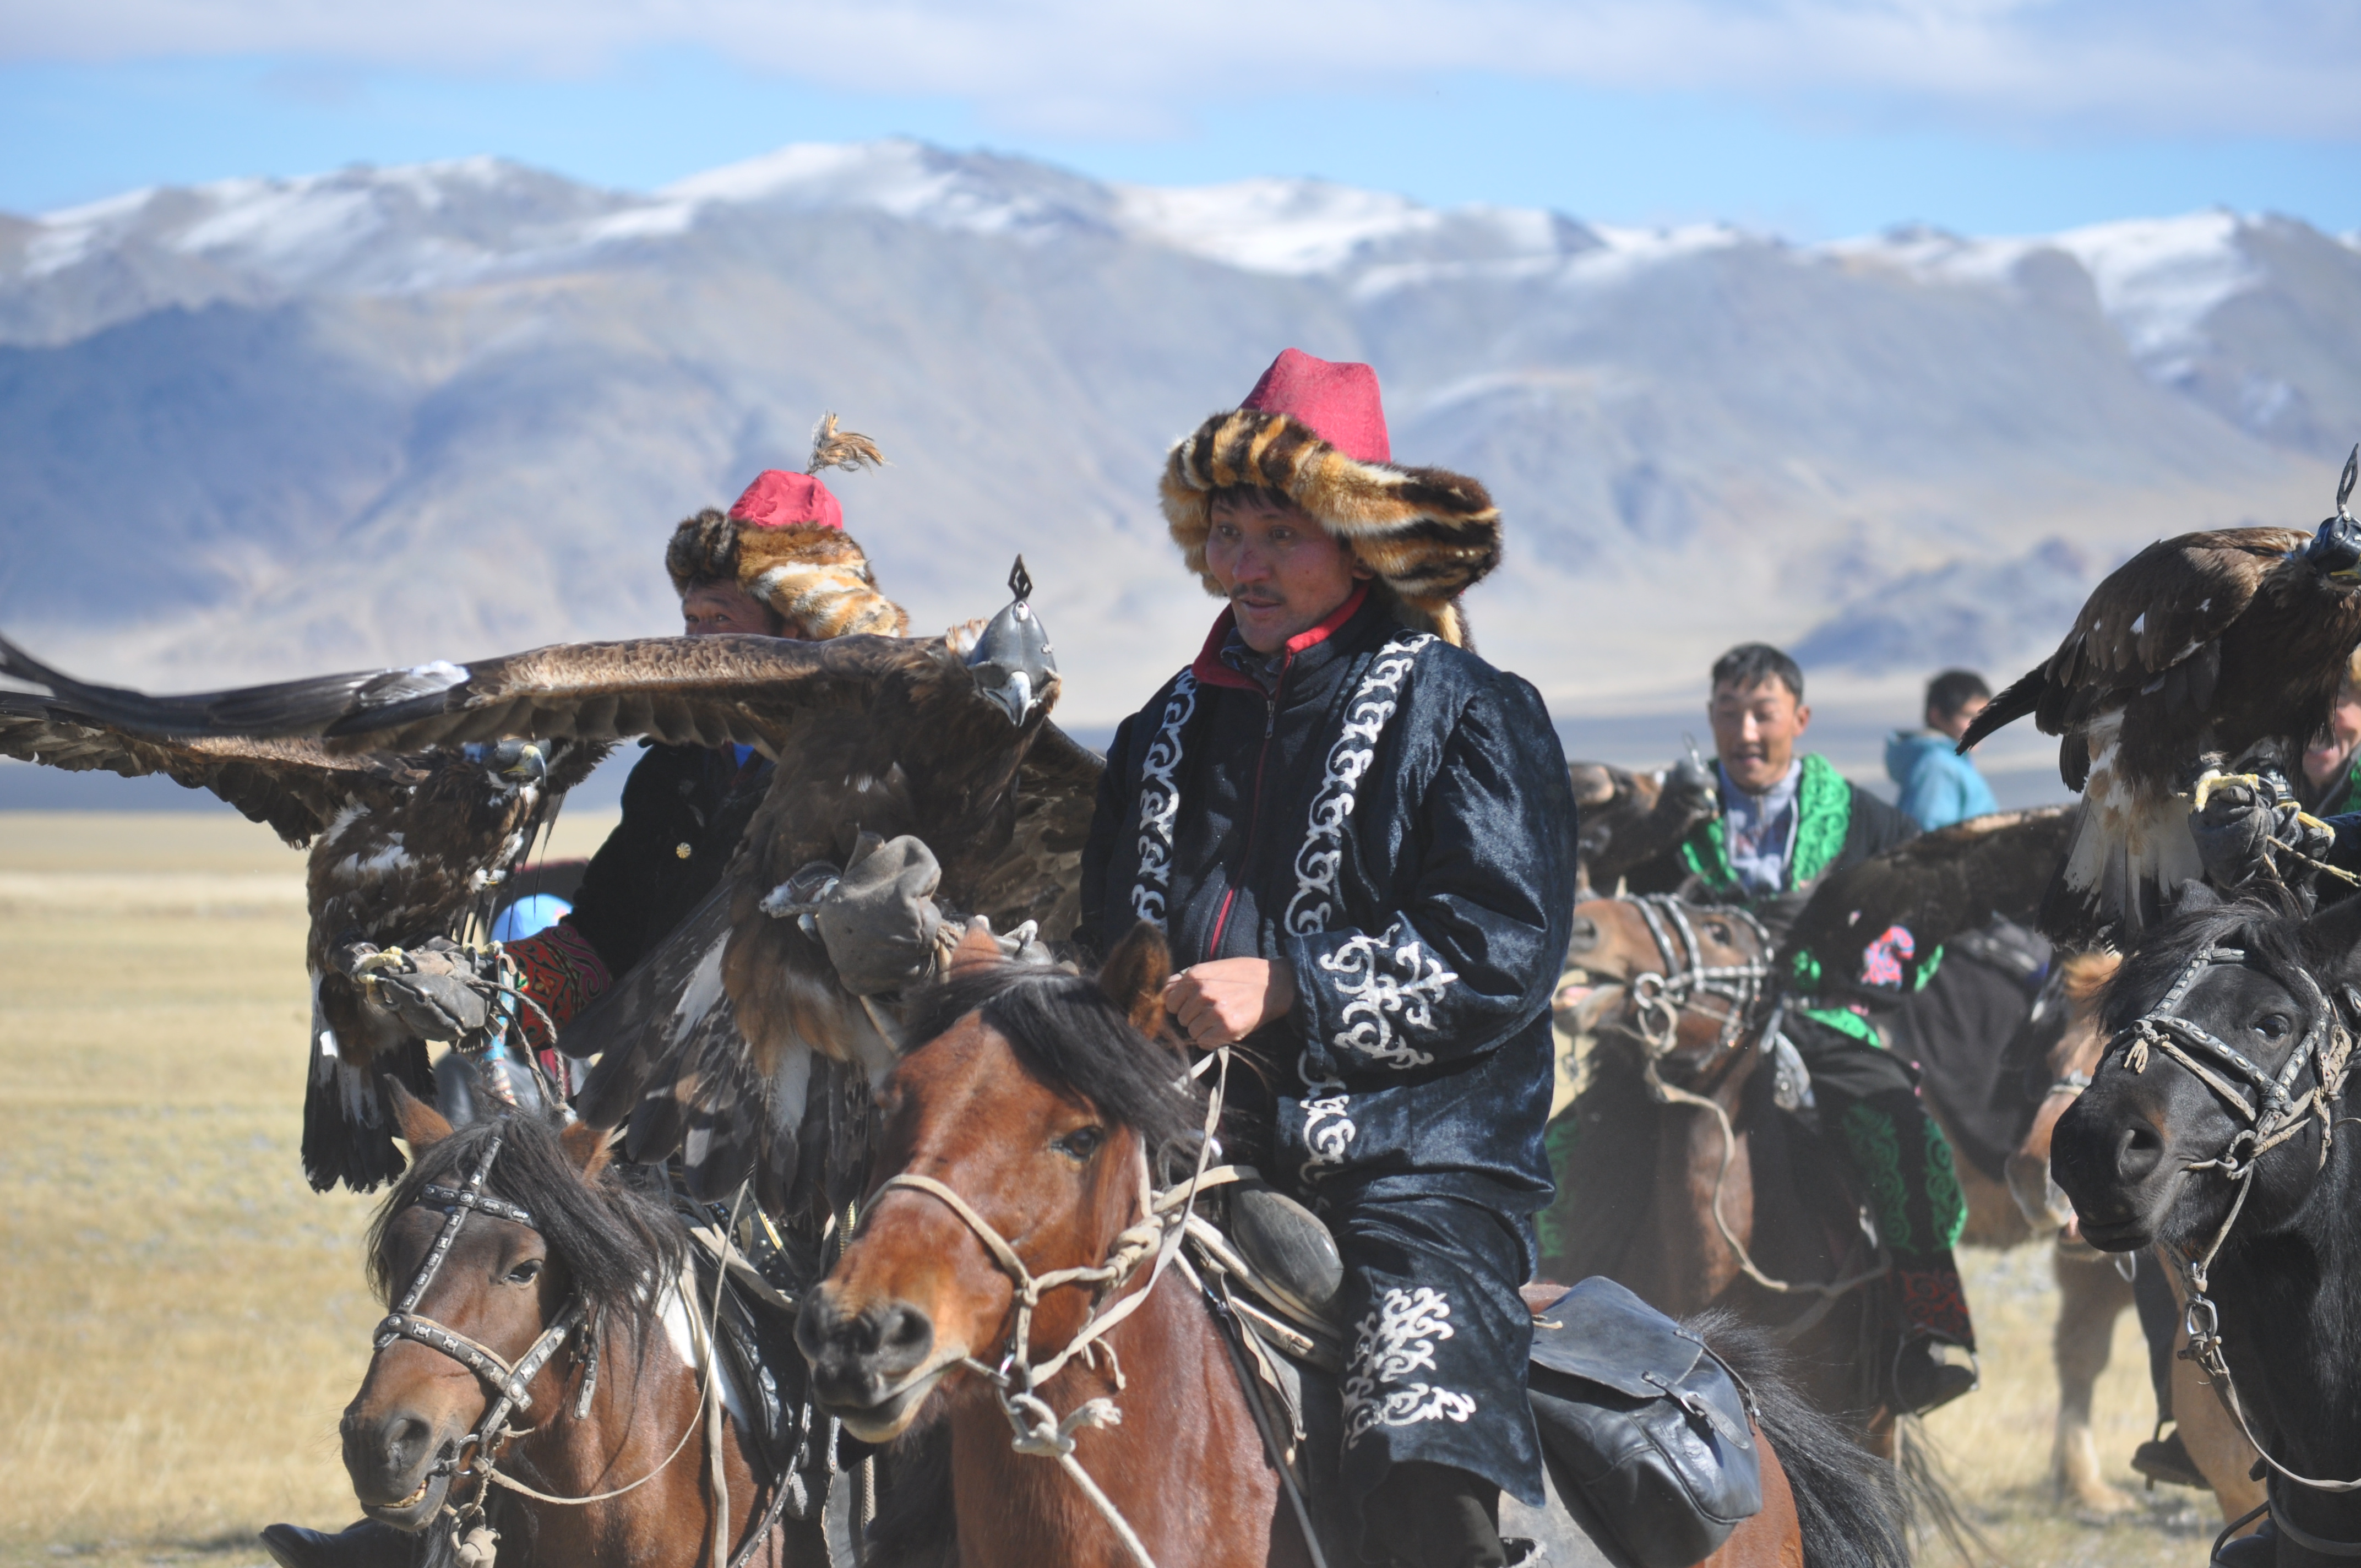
[2236, 834]
[436, 990]
[879, 921]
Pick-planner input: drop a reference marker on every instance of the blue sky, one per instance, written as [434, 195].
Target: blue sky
[1811, 117]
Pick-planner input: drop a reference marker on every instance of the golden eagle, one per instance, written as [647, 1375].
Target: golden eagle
[2212, 650]
[713, 1044]
[405, 847]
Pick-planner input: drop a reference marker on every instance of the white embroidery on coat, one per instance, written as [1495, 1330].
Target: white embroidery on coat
[1385, 980]
[1394, 1341]
[1374, 701]
[1327, 1121]
[1159, 802]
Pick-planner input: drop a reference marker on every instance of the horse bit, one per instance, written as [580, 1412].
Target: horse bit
[2273, 1116]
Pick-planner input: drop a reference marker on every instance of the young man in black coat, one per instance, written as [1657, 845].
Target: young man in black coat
[1358, 839]
[1787, 821]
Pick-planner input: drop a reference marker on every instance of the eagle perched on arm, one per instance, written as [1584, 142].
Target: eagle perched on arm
[709, 1045]
[2215, 649]
[405, 846]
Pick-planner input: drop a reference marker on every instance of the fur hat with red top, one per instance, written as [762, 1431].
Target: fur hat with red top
[1315, 432]
[783, 541]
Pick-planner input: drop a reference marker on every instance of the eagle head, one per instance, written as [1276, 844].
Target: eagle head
[1012, 660]
[512, 763]
[2335, 549]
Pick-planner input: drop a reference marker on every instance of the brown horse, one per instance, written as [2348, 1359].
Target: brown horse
[2092, 1293]
[518, 1264]
[1018, 1141]
[1685, 1182]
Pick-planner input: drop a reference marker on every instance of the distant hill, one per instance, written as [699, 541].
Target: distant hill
[271, 425]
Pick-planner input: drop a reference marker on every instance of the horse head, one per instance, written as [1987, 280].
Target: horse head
[503, 1242]
[1676, 983]
[2081, 983]
[2216, 1095]
[1019, 1140]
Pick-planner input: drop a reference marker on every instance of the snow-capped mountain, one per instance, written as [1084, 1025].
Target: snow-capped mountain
[273, 423]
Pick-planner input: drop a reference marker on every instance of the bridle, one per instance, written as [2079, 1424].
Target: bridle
[1165, 1218]
[2272, 1112]
[477, 1456]
[504, 1380]
[1659, 996]
[2273, 1115]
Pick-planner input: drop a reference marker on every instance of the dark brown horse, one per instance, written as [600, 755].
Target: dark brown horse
[545, 1274]
[1018, 1136]
[1685, 1182]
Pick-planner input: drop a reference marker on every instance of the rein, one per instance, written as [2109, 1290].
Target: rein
[1660, 997]
[479, 1454]
[2273, 1115]
[1164, 1221]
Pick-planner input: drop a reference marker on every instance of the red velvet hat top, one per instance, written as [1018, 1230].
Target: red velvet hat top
[1338, 402]
[780, 500]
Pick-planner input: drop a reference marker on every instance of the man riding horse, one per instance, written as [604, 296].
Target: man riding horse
[777, 564]
[1787, 821]
[1359, 839]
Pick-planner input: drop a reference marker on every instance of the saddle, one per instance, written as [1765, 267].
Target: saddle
[1647, 1435]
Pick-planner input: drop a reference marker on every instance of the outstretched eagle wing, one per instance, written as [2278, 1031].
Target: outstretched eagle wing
[1931, 889]
[697, 691]
[296, 785]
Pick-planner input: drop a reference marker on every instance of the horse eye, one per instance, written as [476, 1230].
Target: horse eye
[2271, 1026]
[1718, 931]
[1079, 1143]
[525, 1273]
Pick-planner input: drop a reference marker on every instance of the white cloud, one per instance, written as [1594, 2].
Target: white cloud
[1090, 68]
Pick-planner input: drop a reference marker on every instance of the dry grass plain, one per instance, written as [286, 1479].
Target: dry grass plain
[181, 1318]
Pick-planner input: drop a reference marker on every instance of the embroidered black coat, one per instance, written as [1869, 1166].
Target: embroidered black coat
[1395, 822]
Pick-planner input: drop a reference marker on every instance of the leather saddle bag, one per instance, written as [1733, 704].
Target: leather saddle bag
[1646, 1433]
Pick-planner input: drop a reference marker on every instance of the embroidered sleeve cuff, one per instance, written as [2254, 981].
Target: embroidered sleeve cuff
[1369, 1001]
[562, 972]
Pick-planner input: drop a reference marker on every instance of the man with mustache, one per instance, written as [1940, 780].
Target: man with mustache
[1787, 820]
[1358, 838]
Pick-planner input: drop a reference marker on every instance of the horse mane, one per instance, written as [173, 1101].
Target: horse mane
[2267, 926]
[1075, 1038]
[613, 1239]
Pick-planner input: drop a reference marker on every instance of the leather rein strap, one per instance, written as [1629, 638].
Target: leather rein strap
[2273, 1115]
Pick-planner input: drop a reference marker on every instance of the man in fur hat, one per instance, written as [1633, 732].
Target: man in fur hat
[777, 564]
[1358, 838]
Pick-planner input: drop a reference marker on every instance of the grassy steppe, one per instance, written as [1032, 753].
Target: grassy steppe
[181, 1319]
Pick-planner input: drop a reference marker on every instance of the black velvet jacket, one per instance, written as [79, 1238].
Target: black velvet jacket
[1395, 822]
[685, 808]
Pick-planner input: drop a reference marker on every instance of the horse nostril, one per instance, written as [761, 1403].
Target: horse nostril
[904, 1335]
[406, 1438]
[2138, 1150]
[1585, 935]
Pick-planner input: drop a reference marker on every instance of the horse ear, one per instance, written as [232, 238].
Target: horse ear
[976, 950]
[588, 1148]
[420, 1123]
[2193, 895]
[1133, 977]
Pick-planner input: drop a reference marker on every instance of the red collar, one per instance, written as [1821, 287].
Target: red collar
[1211, 670]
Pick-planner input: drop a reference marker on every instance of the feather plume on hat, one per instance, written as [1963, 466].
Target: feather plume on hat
[783, 541]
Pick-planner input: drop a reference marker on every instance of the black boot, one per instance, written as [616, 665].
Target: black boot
[1923, 1380]
[366, 1544]
[2165, 1459]
[1432, 1516]
[2260, 1550]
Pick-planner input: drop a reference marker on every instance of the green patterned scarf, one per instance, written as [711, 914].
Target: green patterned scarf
[1823, 817]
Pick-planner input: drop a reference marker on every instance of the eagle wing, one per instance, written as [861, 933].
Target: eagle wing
[1934, 888]
[296, 785]
[696, 691]
[1038, 876]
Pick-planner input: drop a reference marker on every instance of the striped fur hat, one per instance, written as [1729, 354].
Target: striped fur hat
[783, 541]
[1315, 431]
